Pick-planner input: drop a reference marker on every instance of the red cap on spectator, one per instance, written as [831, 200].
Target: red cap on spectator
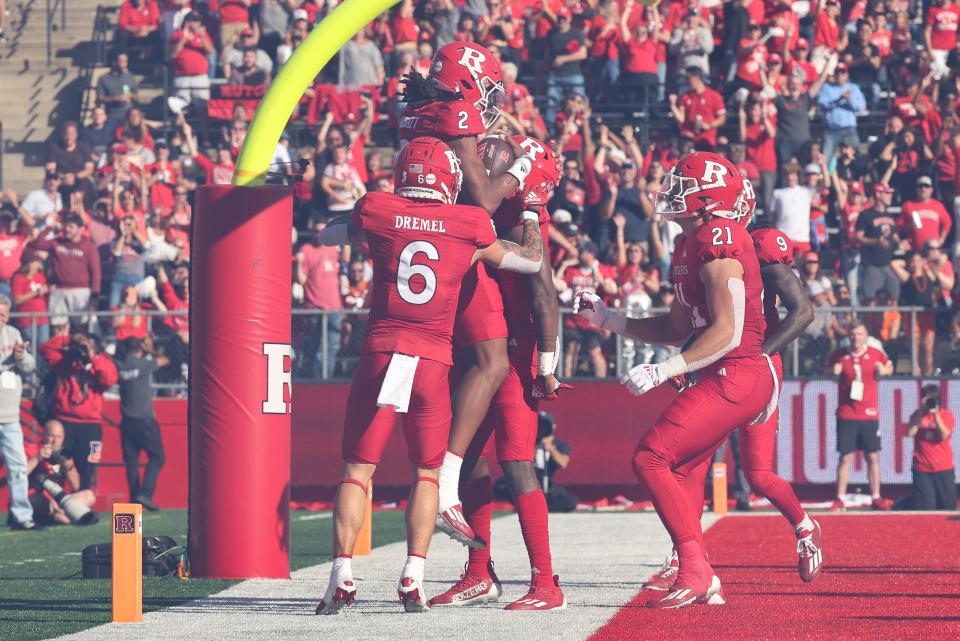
[881, 188]
[774, 59]
[563, 11]
[811, 257]
[247, 32]
[856, 187]
[841, 66]
[802, 43]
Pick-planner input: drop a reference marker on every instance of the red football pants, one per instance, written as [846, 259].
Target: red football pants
[426, 425]
[728, 394]
[758, 455]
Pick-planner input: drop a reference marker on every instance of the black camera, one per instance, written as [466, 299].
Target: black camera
[76, 511]
[78, 352]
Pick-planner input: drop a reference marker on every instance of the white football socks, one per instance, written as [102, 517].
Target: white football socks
[450, 481]
[806, 524]
[414, 568]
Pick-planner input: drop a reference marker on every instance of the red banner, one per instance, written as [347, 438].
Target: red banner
[223, 98]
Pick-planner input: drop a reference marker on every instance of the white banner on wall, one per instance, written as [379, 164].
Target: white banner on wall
[807, 442]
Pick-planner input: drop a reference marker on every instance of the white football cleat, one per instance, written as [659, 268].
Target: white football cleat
[682, 596]
[454, 524]
[411, 595]
[344, 594]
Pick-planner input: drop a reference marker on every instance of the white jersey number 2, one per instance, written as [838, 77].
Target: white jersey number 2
[406, 270]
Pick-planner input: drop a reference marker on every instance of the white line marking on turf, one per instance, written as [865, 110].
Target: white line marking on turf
[601, 558]
[315, 517]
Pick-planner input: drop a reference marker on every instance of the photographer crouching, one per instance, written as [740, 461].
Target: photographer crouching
[551, 455]
[83, 374]
[50, 475]
[934, 483]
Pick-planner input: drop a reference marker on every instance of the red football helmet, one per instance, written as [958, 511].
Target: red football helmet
[701, 183]
[470, 70]
[747, 203]
[427, 168]
[545, 174]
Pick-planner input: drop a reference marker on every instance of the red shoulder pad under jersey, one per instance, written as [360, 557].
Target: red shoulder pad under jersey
[444, 120]
[721, 238]
[772, 246]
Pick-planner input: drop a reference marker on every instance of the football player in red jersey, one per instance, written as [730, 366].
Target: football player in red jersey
[422, 244]
[718, 299]
[514, 411]
[758, 442]
[457, 102]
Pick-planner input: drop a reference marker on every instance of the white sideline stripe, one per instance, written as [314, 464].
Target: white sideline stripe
[315, 517]
[602, 558]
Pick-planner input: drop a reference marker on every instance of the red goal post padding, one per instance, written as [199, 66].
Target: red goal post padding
[240, 382]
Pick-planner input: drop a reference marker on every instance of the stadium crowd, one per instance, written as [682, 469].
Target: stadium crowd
[843, 114]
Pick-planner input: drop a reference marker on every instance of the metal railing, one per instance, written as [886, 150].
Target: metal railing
[52, 6]
[163, 340]
[327, 344]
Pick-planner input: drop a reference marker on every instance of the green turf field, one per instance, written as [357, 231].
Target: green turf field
[39, 601]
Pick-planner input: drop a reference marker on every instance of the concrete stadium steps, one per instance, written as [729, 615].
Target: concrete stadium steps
[36, 99]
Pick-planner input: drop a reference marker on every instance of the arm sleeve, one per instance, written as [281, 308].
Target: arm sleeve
[105, 370]
[50, 351]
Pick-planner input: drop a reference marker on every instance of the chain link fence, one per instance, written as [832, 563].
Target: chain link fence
[327, 344]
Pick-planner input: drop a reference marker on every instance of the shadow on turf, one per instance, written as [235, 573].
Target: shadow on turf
[893, 618]
[846, 569]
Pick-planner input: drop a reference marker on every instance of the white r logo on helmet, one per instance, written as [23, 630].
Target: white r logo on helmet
[713, 174]
[532, 147]
[472, 60]
[454, 162]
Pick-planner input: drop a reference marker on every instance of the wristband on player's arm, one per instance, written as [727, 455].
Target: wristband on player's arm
[520, 168]
[547, 361]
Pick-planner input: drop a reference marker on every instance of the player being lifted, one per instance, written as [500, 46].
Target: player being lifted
[422, 245]
[457, 102]
[758, 442]
[718, 299]
[513, 414]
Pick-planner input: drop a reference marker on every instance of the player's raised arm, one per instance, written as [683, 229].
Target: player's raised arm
[525, 258]
[799, 309]
[672, 328]
[342, 230]
[480, 189]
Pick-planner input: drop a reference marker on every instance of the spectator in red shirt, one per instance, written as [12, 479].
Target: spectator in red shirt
[30, 292]
[75, 270]
[751, 60]
[234, 18]
[318, 271]
[700, 111]
[139, 25]
[83, 374]
[759, 132]
[217, 173]
[934, 482]
[925, 218]
[940, 35]
[604, 38]
[13, 239]
[130, 319]
[828, 36]
[858, 423]
[585, 272]
[639, 54]
[189, 48]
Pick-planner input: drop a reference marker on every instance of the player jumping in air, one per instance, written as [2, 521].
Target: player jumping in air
[758, 442]
[457, 102]
[513, 414]
[422, 245]
[718, 286]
